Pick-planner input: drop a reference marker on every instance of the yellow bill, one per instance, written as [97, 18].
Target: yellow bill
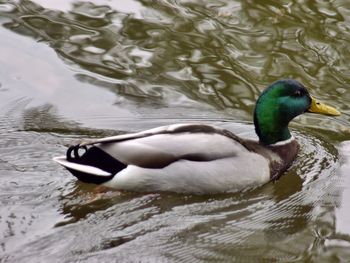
[318, 107]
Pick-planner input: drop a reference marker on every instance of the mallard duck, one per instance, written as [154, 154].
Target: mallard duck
[199, 158]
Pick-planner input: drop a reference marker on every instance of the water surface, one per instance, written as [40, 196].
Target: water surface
[75, 69]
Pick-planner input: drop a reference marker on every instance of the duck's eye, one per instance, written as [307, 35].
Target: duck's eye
[297, 93]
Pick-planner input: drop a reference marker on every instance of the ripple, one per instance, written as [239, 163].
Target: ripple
[165, 62]
[188, 228]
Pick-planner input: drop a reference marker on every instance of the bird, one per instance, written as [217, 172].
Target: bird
[198, 158]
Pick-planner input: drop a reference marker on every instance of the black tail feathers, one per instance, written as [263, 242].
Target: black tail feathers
[95, 157]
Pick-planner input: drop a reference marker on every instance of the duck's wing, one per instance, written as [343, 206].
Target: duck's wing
[159, 147]
[155, 148]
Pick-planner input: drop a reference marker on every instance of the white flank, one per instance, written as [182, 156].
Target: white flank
[230, 174]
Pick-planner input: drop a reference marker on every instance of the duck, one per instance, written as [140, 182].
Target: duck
[198, 158]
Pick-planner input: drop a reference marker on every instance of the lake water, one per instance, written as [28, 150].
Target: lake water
[78, 69]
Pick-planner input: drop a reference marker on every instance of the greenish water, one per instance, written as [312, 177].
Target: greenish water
[76, 69]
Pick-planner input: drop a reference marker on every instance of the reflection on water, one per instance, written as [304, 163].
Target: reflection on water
[72, 69]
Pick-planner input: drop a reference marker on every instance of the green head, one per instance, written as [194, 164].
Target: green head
[278, 105]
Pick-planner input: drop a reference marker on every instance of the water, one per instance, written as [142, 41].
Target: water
[71, 70]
